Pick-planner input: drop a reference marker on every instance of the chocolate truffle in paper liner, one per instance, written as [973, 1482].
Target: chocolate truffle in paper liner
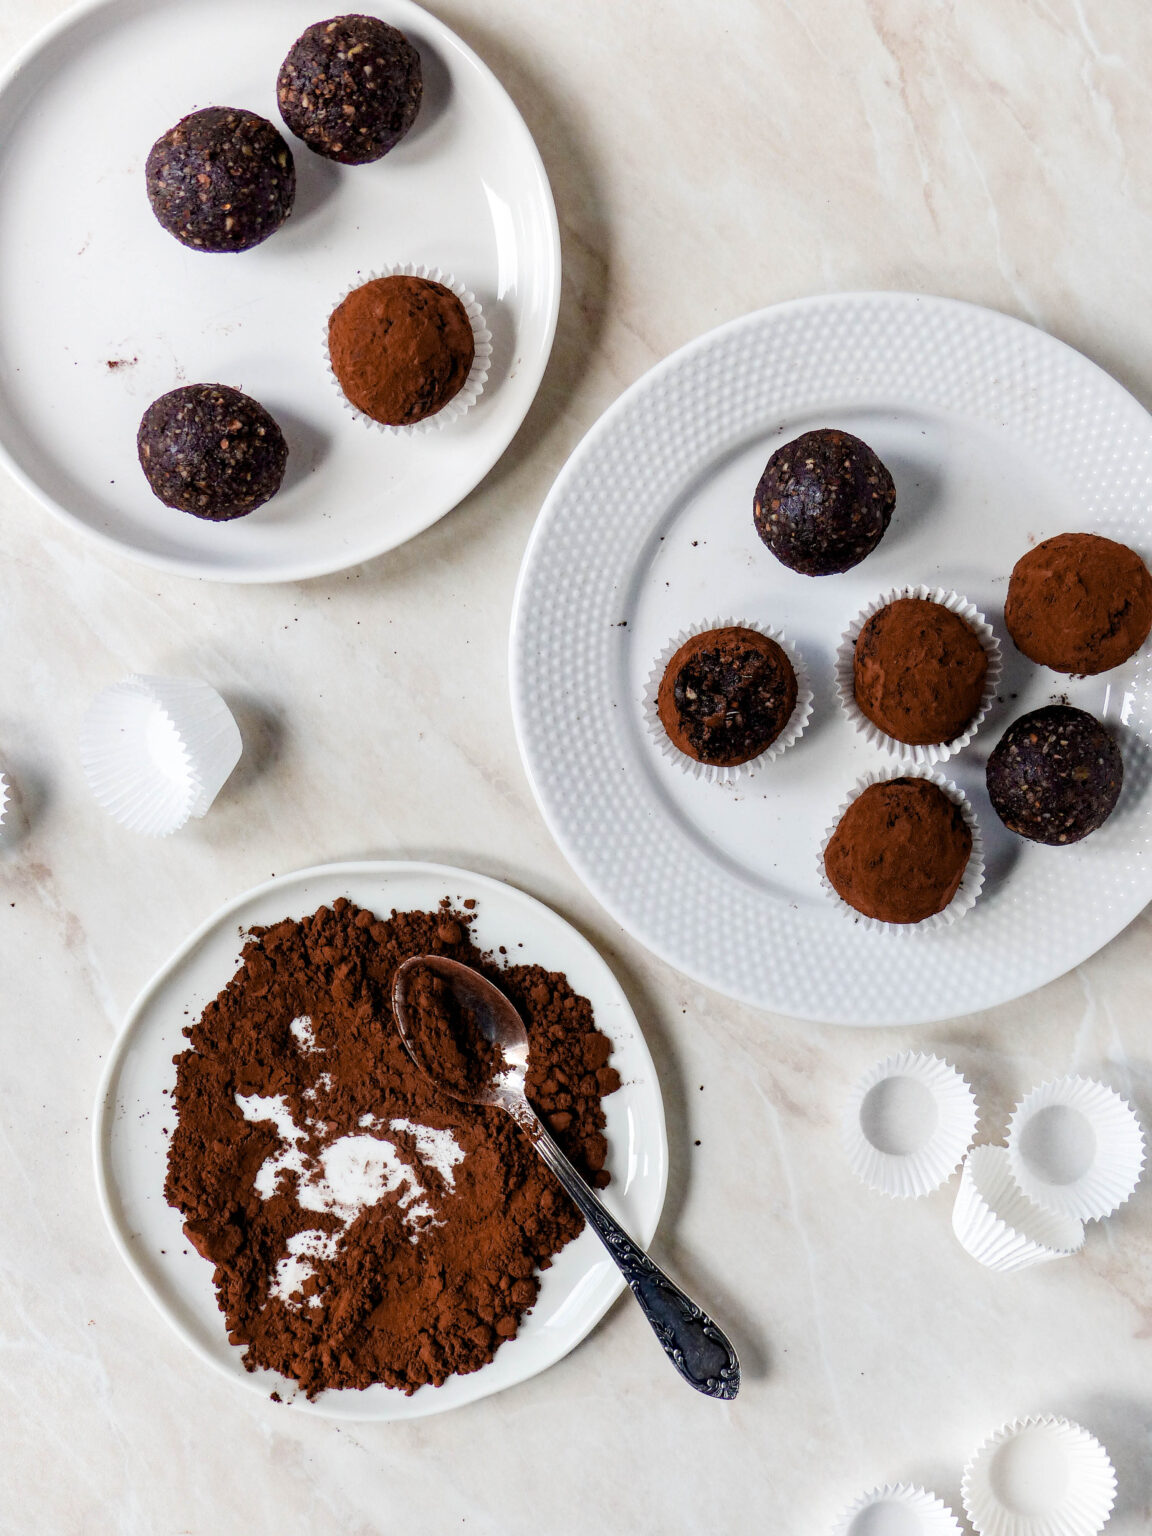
[726, 695]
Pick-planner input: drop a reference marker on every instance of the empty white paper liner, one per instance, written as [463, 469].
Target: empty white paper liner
[846, 679]
[1076, 1148]
[897, 1509]
[712, 772]
[998, 1224]
[3, 798]
[156, 750]
[973, 878]
[907, 1125]
[473, 386]
[1039, 1477]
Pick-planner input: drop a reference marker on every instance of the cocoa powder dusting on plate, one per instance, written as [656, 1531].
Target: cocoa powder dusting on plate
[363, 1227]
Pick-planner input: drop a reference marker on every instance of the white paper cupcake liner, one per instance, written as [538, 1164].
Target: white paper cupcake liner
[1076, 1148]
[156, 750]
[473, 386]
[999, 1226]
[907, 1125]
[897, 1509]
[846, 678]
[4, 797]
[970, 884]
[1039, 1477]
[712, 772]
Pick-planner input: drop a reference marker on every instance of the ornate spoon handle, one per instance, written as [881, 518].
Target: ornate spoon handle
[698, 1349]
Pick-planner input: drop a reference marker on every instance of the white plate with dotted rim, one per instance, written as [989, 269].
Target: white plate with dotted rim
[997, 436]
[133, 1121]
[101, 310]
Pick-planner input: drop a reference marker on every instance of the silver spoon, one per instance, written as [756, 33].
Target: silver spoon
[692, 1341]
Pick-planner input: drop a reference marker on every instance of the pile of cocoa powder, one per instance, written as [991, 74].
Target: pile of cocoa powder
[364, 1227]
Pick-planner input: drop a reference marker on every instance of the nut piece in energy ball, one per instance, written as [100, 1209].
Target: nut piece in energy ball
[899, 851]
[350, 88]
[1079, 603]
[211, 451]
[1055, 775]
[401, 348]
[726, 695]
[823, 502]
[221, 180]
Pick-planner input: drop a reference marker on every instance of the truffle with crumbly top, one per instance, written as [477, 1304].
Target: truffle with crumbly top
[350, 88]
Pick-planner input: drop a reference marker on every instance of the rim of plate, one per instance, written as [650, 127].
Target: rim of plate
[105, 1107]
[532, 664]
[306, 570]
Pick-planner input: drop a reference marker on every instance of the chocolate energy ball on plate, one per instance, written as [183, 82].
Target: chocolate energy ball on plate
[726, 695]
[211, 451]
[1055, 775]
[919, 671]
[899, 851]
[350, 88]
[221, 180]
[401, 348]
[1079, 603]
[823, 502]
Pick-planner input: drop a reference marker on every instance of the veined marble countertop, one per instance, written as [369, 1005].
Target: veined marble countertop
[708, 157]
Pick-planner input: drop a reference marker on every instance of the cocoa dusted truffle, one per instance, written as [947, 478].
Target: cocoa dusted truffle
[726, 695]
[919, 671]
[1079, 603]
[211, 451]
[221, 180]
[350, 88]
[401, 348]
[1055, 775]
[899, 851]
[823, 502]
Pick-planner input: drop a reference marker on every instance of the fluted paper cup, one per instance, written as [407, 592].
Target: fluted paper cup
[907, 1125]
[156, 751]
[4, 797]
[715, 773]
[1039, 1477]
[897, 1509]
[472, 388]
[1076, 1148]
[934, 752]
[971, 883]
[997, 1223]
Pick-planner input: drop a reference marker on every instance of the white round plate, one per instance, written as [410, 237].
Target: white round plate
[134, 1117]
[101, 310]
[997, 436]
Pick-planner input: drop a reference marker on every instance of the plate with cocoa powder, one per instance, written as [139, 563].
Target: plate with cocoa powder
[102, 311]
[266, 1150]
[997, 437]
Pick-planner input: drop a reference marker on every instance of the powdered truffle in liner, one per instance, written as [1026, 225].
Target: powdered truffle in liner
[401, 348]
[726, 695]
[919, 671]
[899, 851]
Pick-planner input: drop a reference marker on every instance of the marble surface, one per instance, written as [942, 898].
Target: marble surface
[707, 158]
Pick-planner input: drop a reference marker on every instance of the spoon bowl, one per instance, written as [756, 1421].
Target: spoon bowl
[481, 1040]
